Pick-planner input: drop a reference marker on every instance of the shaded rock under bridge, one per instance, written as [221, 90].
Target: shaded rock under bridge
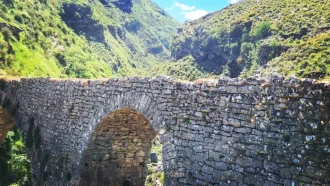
[270, 131]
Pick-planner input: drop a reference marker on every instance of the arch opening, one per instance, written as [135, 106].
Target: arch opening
[15, 168]
[118, 150]
[6, 124]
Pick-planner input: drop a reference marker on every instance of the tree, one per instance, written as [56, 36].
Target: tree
[14, 166]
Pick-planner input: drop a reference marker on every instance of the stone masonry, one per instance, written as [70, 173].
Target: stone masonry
[257, 131]
[119, 147]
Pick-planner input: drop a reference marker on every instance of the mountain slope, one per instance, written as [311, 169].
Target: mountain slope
[287, 36]
[81, 38]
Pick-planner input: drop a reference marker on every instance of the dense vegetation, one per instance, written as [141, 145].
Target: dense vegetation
[14, 166]
[184, 69]
[266, 36]
[81, 38]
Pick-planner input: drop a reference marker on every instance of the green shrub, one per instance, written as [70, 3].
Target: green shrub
[7, 34]
[262, 30]
[3, 49]
[4, 9]
[15, 167]
[274, 43]
[234, 49]
[246, 48]
[18, 18]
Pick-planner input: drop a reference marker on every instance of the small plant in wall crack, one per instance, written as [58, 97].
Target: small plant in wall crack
[186, 121]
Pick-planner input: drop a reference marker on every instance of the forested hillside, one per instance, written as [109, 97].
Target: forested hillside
[260, 36]
[81, 38]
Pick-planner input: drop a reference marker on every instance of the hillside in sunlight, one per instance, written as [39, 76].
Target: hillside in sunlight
[80, 38]
[260, 36]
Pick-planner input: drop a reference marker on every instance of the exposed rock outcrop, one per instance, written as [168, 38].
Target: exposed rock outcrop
[78, 18]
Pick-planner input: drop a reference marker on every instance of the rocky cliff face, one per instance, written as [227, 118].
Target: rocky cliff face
[279, 36]
[124, 5]
[14, 30]
[79, 18]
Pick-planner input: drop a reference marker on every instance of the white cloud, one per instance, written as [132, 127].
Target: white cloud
[233, 1]
[184, 7]
[189, 12]
[195, 14]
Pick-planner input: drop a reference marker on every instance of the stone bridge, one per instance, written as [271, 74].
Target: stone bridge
[270, 131]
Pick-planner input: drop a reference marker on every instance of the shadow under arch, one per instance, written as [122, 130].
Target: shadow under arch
[9, 106]
[6, 124]
[118, 150]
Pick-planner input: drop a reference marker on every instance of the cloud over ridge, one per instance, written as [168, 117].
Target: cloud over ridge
[184, 7]
[192, 15]
[190, 12]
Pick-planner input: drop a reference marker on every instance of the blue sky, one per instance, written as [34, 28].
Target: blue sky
[183, 10]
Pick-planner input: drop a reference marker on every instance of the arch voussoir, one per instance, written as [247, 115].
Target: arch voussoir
[118, 150]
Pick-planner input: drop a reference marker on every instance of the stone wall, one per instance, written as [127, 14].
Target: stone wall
[270, 131]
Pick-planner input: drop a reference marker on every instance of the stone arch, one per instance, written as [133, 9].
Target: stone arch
[6, 124]
[118, 150]
[140, 102]
[9, 106]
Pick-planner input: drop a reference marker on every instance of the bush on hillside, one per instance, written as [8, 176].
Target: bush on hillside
[14, 165]
[7, 34]
[262, 30]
